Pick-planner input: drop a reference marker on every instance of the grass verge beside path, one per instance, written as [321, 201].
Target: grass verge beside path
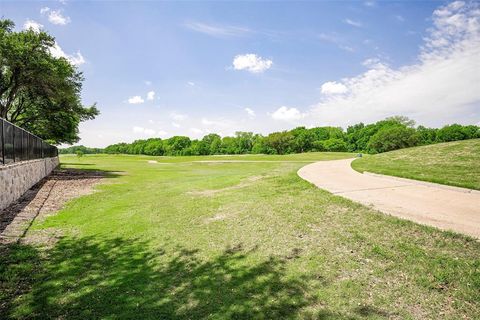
[189, 240]
[453, 163]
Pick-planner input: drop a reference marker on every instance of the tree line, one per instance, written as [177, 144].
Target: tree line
[386, 135]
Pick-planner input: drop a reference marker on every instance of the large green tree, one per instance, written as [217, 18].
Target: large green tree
[38, 91]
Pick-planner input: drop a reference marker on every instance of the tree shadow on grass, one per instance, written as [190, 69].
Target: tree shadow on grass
[82, 173]
[126, 279]
[63, 164]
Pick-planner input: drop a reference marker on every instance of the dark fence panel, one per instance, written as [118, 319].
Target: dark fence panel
[1, 141]
[17, 145]
[8, 150]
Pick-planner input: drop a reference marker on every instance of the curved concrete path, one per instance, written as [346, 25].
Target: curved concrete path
[444, 207]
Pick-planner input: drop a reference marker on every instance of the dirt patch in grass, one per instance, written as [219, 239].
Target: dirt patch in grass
[244, 183]
[217, 217]
[44, 199]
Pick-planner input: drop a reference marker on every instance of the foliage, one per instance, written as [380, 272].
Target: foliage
[457, 132]
[390, 134]
[39, 92]
[83, 149]
[427, 135]
[392, 138]
[333, 145]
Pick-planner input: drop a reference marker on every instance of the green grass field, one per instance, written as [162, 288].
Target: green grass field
[453, 163]
[250, 240]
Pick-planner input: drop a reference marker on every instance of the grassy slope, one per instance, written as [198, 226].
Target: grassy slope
[453, 163]
[158, 242]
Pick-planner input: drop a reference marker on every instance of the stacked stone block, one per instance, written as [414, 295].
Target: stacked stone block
[17, 178]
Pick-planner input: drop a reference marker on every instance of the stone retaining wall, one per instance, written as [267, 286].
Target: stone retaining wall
[17, 178]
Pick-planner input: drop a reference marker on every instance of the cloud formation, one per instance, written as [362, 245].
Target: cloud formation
[56, 51]
[250, 112]
[337, 40]
[55, 16]
[196, 131]
[441, 87]
[216, 30]
[287, 114]
[332, 87]
[251, 63]
[178, 116]
[32, 25]
[150, 95]
[353, 23]
[144, 131]
[136, 100]
[76, 59]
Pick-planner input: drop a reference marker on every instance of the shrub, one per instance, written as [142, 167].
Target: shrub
[392, 138]
[335, 144]
[457, 132]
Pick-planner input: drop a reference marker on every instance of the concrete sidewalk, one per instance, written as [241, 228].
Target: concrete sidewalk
[447, 208]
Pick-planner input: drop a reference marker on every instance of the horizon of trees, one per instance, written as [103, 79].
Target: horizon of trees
[386, 135]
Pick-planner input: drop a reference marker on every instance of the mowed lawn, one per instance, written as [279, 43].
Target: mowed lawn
[453, 163]
[180, 239]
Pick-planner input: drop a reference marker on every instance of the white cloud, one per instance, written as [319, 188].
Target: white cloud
[162, 133]
[399, 18]
[251, 62]
[176, 125]
[217, 124]
[353, 23]
[442, 87]
[178, 116]
[76, 59]
[55, 16]
[287, 114]
[191, 83]
[250, 112]
[135, 100]
[32, 25]
[207, 122]
[369, 3]
[347, 48]
[196, 131]
[371, 62]
[150, 95]
[148, 83]
[337, 40]
[144, 131]
[333, 87]
[217, 31]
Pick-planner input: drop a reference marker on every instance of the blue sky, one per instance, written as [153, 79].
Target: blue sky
[158, 69]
